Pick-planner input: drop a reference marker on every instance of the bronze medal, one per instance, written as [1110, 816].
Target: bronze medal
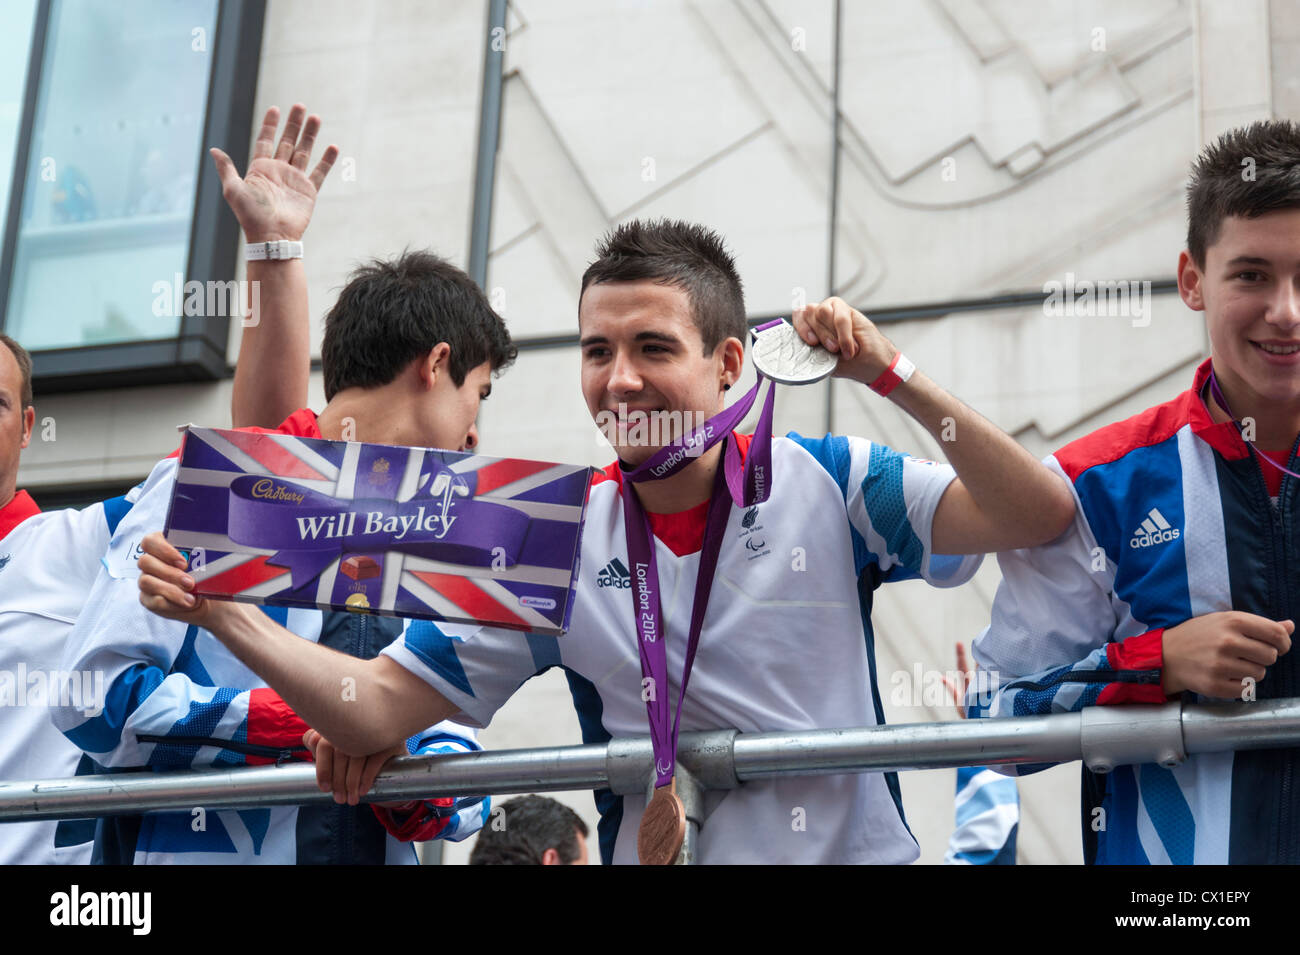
[662, 831]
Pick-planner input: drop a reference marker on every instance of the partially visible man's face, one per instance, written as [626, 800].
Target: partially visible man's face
[552, 856]
[582, 850]
[446, 415]
[1250, 290]
[15, 422]
[642, 356]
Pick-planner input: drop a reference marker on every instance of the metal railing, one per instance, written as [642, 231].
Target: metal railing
[1102, 736]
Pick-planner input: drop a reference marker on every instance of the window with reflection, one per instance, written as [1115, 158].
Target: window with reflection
[109, 192]
[16, 21]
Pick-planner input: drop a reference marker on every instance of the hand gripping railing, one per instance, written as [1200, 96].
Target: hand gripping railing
[1102, 736]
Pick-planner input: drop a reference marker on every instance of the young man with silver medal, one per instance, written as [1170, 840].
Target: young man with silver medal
[790, 534]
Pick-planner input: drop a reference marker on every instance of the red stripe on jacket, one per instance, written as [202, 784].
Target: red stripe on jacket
[20, 507]
[271, 722]
[1152, 427]
[1142, 652]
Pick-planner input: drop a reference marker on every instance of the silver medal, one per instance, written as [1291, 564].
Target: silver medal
[780, 354]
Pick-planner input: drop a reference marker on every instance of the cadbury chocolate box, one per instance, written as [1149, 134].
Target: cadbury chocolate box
[409, 532]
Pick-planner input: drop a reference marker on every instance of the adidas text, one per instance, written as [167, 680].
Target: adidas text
[1150, 540]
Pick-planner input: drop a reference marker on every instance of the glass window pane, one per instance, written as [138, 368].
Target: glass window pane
[109, 191]
[16, 21]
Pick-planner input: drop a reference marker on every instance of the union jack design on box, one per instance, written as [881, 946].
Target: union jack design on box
[409, 532]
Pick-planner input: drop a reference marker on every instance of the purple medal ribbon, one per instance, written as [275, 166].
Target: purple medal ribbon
[1223, 403]
[745, 486]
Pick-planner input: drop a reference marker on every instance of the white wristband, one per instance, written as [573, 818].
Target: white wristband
[273, 251]
[904, 369]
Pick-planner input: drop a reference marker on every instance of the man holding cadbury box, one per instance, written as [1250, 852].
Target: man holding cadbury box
[662, 321]
[410, 348]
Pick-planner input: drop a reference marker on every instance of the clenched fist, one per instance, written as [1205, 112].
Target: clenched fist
[1214, 654]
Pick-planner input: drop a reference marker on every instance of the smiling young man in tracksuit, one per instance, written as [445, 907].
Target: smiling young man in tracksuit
[1181, 573]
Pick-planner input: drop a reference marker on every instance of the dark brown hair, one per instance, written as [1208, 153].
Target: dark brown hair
[681, 254]
[393, 311]
[532, 824]
[1247, 172]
